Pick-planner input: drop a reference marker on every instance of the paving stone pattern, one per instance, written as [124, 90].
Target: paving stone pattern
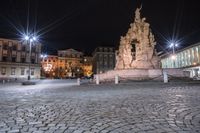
[125, 108]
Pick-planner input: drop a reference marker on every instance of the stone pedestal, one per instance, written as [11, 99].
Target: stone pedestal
[140, 74]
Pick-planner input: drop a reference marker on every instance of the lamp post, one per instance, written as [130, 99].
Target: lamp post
[173, 45]
[43, 56]
[30, 39]
[78, 74]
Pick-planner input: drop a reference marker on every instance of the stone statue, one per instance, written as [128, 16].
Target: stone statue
[137, 14]
[144, 42]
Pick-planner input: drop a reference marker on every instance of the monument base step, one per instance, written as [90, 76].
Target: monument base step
[141, 74]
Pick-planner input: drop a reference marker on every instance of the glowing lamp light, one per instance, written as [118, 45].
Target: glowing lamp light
[43, 55]
[34, 38]
[30, 38]
[26, 37]
[171, 45]
[173, 57]
[48, 68]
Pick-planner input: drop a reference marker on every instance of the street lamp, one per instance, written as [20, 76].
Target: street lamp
[43, 56]
[30, 39]
[173, 45]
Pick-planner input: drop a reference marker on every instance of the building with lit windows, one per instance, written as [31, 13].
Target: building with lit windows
[187, 58]
[67, 64]
[71, 61]
[103, 59]
[15, 59]
[87, 66]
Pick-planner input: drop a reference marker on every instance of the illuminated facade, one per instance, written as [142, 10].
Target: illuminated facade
[69, 63]
[14, 59]
[49, 66]
[87, 66]
[187, 58]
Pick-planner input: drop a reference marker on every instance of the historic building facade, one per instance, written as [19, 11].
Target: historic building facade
[71, 61]
[15, 61]
[103, 59]
[187, 58]
[67, 64]
[49, 66]
[87, 66]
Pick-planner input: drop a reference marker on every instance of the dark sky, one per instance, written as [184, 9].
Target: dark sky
[86, 24]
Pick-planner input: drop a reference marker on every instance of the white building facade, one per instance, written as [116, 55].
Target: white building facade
[15, 59]
[187, 58]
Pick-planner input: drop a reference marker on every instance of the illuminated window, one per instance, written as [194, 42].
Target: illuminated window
[22, 71]
[32, 71]
[12, 71]
[3, 71]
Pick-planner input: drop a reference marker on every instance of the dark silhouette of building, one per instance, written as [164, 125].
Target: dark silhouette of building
[103, 59]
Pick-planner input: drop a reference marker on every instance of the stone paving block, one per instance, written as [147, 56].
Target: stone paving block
[69, 131]
[38, 131]
[4, 129]
[14, 131]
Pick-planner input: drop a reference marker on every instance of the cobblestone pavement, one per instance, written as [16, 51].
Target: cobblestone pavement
[125, 108]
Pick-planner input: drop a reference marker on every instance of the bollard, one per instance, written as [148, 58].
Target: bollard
[116, 79]
[165, 76]
[90, 80]
[78, 81]
[3, 81]
[97, 79]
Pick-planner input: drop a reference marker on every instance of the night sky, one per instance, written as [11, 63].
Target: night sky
[87, 24]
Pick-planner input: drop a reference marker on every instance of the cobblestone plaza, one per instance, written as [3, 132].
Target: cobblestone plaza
[53, 107]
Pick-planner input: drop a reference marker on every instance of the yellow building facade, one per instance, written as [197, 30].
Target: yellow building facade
[68, 64]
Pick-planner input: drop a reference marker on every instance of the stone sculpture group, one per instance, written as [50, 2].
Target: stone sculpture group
[144, 55]
[137, 58]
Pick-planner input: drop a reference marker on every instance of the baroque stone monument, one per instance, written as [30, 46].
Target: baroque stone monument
[137, 57]
[137, 47]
